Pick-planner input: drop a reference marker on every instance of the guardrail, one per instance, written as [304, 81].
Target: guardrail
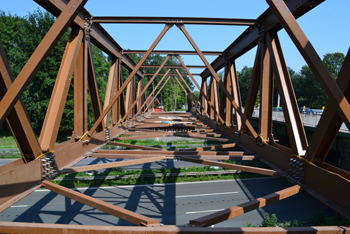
[310, 120]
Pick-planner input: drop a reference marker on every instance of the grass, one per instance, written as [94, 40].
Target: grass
[118, 171]
[161, 180]
[7, 142]
[317, 219]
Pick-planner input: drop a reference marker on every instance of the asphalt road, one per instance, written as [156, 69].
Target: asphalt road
[169, 203]
[155, 165]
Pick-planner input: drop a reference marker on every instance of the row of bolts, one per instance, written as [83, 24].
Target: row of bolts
[49, 166]
[296, 170]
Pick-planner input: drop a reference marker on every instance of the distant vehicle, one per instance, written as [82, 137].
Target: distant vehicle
[277, 109]
[306, 111]
[159, 106]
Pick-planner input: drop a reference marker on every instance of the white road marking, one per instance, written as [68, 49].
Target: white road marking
[162, 185]
[19, 206]
[208, 194]
[203, 211]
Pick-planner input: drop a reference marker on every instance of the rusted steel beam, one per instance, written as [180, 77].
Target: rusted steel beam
[266, 94]
[183, 80]
[132, 146]
[128, 97]
[98, 35]
[231, 66]
[210, 104]
[330, 121]
[214, 99]
[250, 37]
[131, 75]
[38, 57]
[203, 93]
[173, 52]
[113, 164]
[296, 132]
[336, 170]
[151, 120]
[148, 100]
[323, 183]
[253, 88]
[148, 84]
[9, 166]
[208, 157]
[235, 211]
[20, 196]
[214, 147]
[92, 84]
[33, 228]
[52, 121]
[181, 85]
[80, 95]
[18, 119]
[112, 77]
[151, 99]
[173, 74]
[215, 75]
[169, 152]
[19, 179]
[118, 108]
[172, 20]
[311, 57]
[174, 66]
[256, 170]
[119, 212]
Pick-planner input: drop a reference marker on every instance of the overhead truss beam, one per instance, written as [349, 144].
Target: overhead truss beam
[172, 20]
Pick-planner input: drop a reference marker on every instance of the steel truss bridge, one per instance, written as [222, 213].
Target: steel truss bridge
[302, 164]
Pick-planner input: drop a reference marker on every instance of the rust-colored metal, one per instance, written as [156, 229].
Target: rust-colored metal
[310, 55]
[119, 212]
[18, 119]
[235, 211]
[11, 227]
[232, 166]
[150, 99]
[330, 122]
[325, 182]
[133, 73]
[145, 88]
[173, 52]
[214, 147]
[80, 95]
[38, 57]
[173, 20]
[132, 146]
[54, 112]
[114, 164]
[215, 75]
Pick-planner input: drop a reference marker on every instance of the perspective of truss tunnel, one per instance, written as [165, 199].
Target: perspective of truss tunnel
[302, 164]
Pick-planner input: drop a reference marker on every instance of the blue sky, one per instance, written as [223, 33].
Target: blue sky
[326, 26]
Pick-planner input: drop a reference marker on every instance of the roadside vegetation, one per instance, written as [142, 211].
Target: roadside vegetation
[135, 176]
[317, 219]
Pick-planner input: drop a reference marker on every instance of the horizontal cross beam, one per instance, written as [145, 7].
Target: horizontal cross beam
[172, 20]
[175, 66]
[173, 52]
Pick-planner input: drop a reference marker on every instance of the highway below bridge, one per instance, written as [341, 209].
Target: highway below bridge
[169, 203]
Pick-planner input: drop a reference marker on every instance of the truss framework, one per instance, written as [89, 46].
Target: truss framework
[302, 164]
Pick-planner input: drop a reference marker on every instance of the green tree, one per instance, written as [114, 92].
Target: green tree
[308, 90]
[20, 37]
[244, 77]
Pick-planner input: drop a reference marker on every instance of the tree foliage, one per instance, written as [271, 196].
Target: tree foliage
[20, 37]
[172, 95]
[308, 90]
